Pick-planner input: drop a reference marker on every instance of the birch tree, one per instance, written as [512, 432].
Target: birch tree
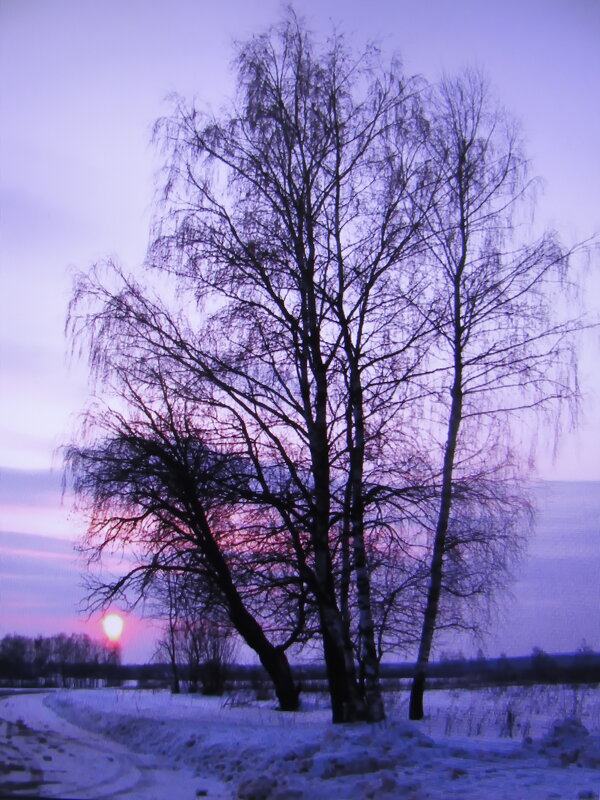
[294, 215]
[290, 227]
[502, 348]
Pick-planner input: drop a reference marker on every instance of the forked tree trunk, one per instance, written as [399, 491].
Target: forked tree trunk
[347, 704]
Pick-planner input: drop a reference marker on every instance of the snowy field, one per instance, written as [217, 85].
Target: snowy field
[541, 743]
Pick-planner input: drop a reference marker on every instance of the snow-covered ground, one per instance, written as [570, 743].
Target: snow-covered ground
[142, 744]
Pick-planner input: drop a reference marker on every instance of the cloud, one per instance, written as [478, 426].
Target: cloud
[39, 577]
[31, 502]
[29, 486]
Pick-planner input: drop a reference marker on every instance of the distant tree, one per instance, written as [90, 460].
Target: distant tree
[543, 666]
[197, 633]
[168, 645]
[16, 656]
[210, 649]
[64, 655]
[42, 649]
[585, 649]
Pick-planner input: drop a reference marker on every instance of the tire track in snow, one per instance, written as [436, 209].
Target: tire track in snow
[43, 753]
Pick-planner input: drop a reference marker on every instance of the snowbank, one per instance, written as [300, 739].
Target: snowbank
[262, 754]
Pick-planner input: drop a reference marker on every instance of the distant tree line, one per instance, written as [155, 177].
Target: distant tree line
[539, 668]
[308, 394]
[59, 660]
[76, 660]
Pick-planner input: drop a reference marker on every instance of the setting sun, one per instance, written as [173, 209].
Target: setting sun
[113, 625]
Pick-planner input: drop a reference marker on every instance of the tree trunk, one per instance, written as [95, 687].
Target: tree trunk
[175, 686]
[366, 629]
[273, 659]
[355, 439]
[347, 705]
[417, 690]
[369, 663]
[435, 576]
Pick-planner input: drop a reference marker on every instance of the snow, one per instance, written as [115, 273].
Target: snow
[145, 744]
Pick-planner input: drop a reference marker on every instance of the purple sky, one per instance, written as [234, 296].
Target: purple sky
[81, 84]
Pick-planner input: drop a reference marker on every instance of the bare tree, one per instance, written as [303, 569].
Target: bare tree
[66, 656]
[197, 633]
[504, 352]
[169, 645]
[289, 223]
[291, 217]
[332, 265]
[151, 485]
[210, 649]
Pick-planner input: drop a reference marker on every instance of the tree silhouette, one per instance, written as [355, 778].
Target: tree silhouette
[506, 351]
[332, 298]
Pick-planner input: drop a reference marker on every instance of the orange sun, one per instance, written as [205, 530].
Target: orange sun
[113, 625]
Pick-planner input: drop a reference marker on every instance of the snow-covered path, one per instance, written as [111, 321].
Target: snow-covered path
[43, 754]
[144, 744]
